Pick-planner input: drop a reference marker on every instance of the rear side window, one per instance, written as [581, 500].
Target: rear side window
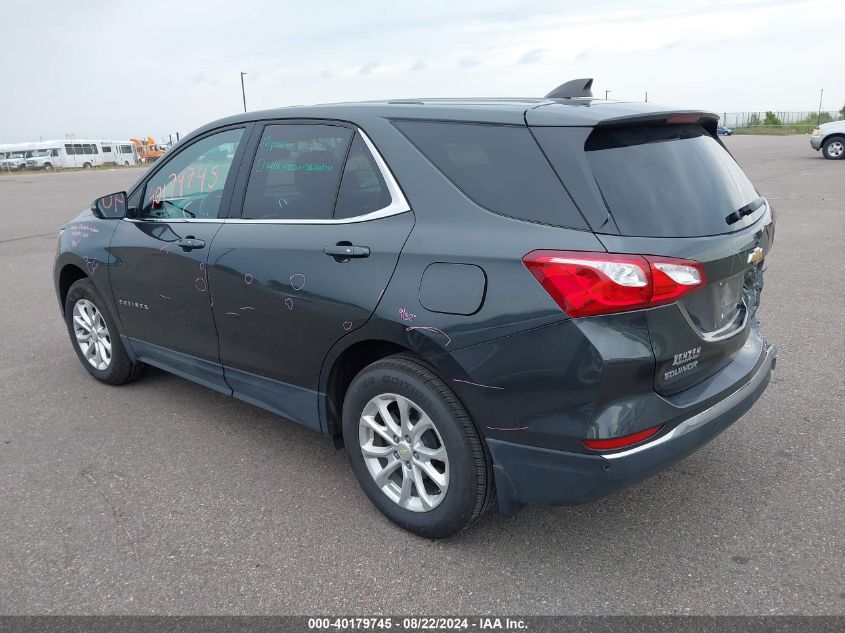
[668, 181]
[296, 172]
[499, 167]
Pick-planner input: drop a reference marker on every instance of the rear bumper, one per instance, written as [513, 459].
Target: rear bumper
[535, 475]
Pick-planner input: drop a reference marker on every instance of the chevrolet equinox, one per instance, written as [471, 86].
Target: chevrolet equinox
[510, 301]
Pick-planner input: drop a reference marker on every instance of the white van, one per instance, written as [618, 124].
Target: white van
[43, 155]
[120, 152]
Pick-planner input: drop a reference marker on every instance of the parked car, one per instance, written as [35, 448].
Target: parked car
[721, 130]
[524, 301]
[830, 139]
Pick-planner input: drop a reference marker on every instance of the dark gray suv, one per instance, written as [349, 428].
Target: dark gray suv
[484, 300]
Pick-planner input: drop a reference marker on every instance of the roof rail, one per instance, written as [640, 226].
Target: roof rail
[573, 89]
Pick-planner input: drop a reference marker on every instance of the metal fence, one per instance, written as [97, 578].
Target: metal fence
[800, 121]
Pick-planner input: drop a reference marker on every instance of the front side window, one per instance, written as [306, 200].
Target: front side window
[106, 149]
[191, 183]
[296, 172]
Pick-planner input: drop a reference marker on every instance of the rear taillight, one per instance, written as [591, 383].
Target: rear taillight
[623, 441]
[586, 284]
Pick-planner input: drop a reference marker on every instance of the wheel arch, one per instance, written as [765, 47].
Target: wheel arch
[69, 275]
[343, 364]
[343, 368]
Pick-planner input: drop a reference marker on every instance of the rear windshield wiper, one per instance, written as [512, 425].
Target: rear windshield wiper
[748, 209]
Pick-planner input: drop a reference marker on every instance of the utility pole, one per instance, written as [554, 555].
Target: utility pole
[243, 91]
[646, 96]
[819, 120]
[606, 92]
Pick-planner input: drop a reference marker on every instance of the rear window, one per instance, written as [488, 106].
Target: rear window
[668, 181]
[499, 167]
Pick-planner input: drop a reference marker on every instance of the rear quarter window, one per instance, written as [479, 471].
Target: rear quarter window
[499, 167]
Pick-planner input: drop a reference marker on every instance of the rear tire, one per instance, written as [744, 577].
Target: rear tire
[86, 165]
[834, 148]
[95, 337]
[429, 443]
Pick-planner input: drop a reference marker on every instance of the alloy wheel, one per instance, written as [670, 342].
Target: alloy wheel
[92, 334]
[404, 452]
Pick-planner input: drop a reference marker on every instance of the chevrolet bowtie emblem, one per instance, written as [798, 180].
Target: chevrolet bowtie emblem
[755, 256]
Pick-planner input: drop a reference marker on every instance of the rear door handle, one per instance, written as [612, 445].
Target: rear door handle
[190, 243]
[346, 251]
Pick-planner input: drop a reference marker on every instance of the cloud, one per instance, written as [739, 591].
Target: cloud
[534, 55]
[617, 42]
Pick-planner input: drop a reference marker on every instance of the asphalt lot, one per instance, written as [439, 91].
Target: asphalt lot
[163, 497]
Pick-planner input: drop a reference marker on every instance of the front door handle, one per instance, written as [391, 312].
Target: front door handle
[343, 252]
[190, 243]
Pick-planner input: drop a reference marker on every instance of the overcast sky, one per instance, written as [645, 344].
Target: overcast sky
[115, 69]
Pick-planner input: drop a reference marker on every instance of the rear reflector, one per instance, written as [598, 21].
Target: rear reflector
[624, 441]
[587, 284]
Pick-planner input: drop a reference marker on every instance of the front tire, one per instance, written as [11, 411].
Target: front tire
[95, 337]
[834, 148]
[414, 449]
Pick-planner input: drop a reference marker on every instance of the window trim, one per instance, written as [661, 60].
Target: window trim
[398, 202]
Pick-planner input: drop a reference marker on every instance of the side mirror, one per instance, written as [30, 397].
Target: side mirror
[110, 207]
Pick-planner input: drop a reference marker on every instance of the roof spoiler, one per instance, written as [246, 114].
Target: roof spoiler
[573, 89]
